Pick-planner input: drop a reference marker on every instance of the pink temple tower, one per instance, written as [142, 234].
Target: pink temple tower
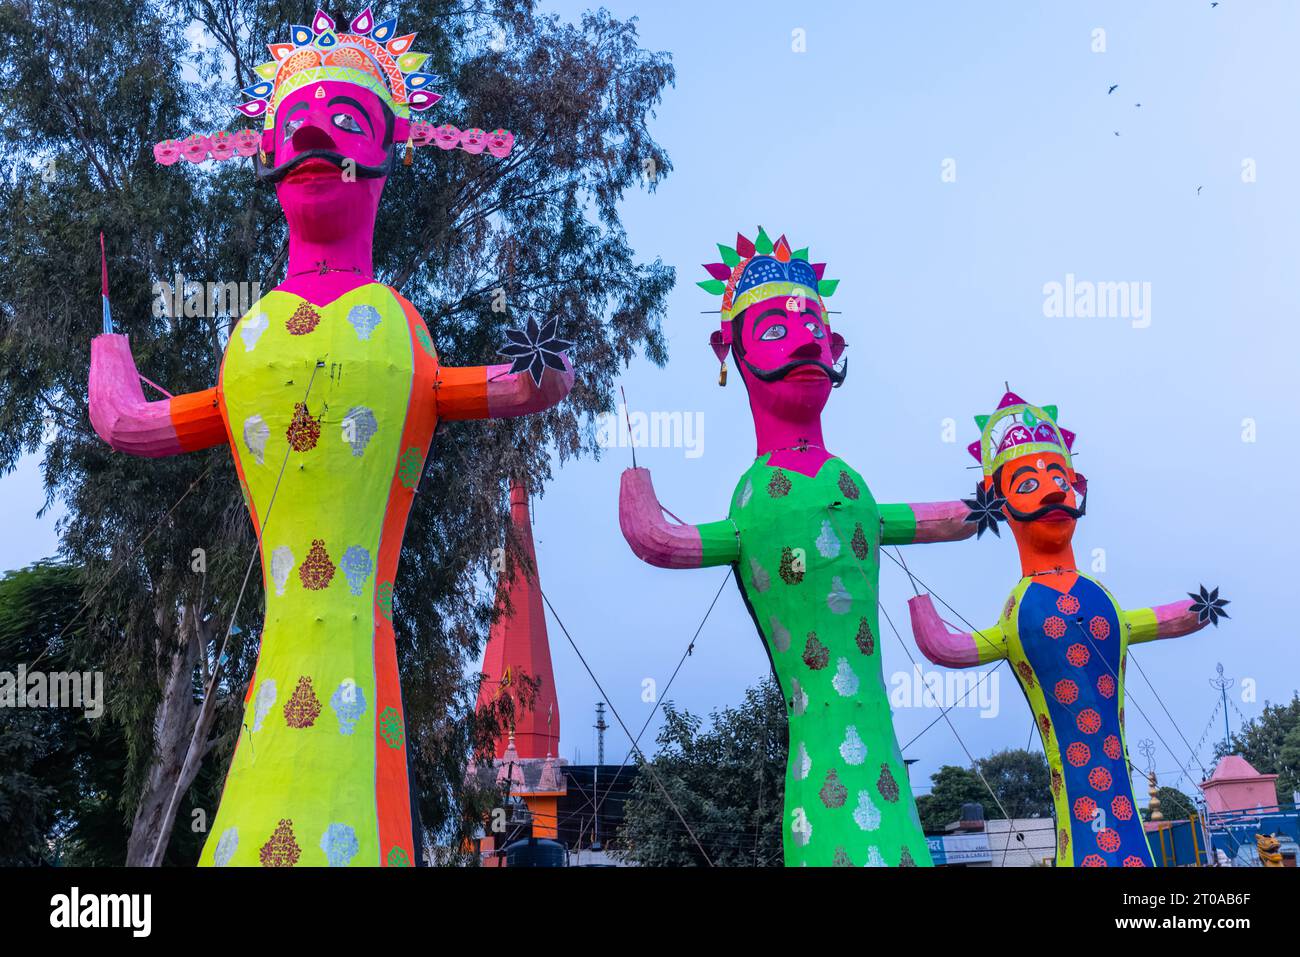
[518, 646]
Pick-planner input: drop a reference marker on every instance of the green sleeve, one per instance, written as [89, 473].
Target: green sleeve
[897, 524]
[1142, 625]
[719, 543]
[990, 644]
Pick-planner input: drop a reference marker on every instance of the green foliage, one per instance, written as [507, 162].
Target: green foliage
[727, 781]
[60, 767]
[1271, 743]
[1019, 778]
[1021, 781]
[951, 787]
[1174, 805]
[86, 88]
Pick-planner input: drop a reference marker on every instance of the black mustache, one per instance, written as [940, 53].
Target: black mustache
[837, 376]
[1036, 514]
[273, 174]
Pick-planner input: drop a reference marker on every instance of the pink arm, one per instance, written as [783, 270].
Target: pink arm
[952, 649]
[1176, 619]
[128, 422]
[658, 542]
[922, 522]
[514, 393]
[652, 538]
[942, 522]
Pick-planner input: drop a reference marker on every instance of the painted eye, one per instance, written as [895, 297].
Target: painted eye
[346, 121]
[1027, 486]
[773, 332]
[1061, 483]
[816, 329]
[291, 127]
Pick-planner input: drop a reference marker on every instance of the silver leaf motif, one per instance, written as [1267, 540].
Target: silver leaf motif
[256, 432]
[827, 544]
[839, 600]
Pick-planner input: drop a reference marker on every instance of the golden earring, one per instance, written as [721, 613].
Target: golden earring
[722, 373]
[410, 150]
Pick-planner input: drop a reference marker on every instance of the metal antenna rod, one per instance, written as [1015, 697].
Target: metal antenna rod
[600, 727]
[1223, 684]
[628, 419]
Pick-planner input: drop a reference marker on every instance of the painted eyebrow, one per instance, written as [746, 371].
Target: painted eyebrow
[1021, 471]
[1057, 466]
[360, 109]
[753, 326]
[293, 109]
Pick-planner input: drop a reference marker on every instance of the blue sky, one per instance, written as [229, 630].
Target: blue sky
[842, 148]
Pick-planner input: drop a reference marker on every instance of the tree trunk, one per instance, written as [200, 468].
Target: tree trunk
[173, 728]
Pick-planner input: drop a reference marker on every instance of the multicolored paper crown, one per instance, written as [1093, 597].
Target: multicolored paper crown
[371, 55]
[758, 270]
[1017, 428]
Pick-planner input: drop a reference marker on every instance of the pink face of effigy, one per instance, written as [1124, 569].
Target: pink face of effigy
[330, 135]
[786, 340]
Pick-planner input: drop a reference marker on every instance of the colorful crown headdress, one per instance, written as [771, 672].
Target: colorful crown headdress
[753, 271]
[370, 55]
[1017, 428]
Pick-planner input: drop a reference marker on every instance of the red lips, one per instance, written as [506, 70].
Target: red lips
[808, 372]
[314, 169]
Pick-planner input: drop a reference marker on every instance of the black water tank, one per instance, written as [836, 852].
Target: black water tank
[536, 852]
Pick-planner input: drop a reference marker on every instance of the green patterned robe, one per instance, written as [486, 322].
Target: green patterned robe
[808, 567]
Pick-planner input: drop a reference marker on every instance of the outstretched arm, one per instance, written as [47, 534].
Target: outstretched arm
[130, 423]
[953, 649]
[1175, 619]
[491, 392]
[921, 522]
[670, 545]
[494, 392]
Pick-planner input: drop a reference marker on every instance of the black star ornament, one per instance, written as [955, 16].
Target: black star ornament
[1208, 606]
[535, 349]
[986, 510]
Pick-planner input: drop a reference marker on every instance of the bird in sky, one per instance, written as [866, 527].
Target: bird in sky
[1198, 190]
[1113, 88]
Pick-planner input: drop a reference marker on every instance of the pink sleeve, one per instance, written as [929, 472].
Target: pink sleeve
[123, 418]
[952, 649]
[652, 538]
[941, 522]
[514, 393]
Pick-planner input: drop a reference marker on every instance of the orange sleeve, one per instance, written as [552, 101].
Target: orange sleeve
[462, 393]
[196, 417]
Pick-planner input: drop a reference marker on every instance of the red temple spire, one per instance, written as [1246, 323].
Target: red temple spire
[517, 645]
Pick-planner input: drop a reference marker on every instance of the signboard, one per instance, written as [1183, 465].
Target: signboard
[953, 849]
